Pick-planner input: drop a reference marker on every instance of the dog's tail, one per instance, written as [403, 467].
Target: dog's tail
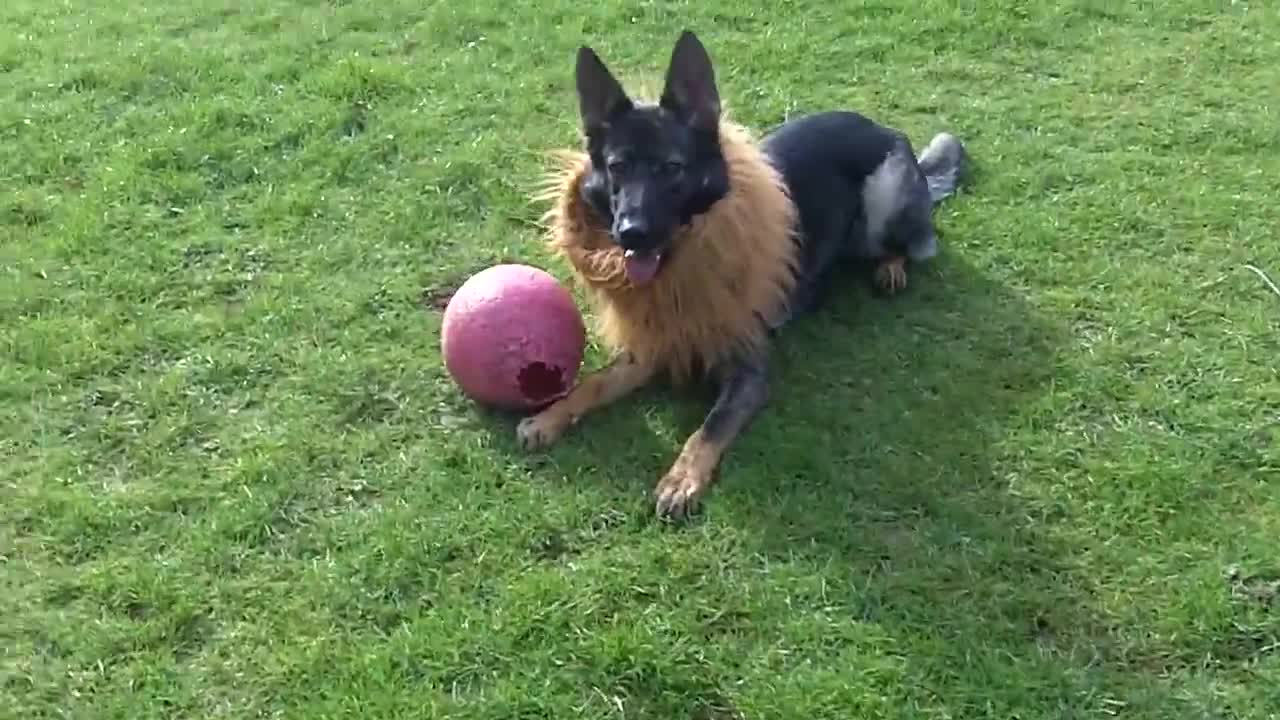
[944, 162]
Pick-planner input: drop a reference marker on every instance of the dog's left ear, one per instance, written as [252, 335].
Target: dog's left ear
[691, 91]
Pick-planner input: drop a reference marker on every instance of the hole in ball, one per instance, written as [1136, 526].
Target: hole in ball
[540, 381]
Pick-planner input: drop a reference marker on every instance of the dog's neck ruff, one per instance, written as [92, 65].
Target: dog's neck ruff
[730, 271]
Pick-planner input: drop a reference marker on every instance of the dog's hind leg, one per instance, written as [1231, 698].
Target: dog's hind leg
[921, 183]
[744, 390]
[909, 237]
[602, 387]
[900, 212]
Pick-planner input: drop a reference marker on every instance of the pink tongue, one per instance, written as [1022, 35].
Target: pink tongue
[642, 268]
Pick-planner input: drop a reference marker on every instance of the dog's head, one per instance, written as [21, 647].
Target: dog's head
[653, 167]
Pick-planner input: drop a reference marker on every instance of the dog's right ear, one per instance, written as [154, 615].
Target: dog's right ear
[600, 96]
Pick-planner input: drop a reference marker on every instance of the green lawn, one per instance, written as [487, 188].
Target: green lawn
[236, 483]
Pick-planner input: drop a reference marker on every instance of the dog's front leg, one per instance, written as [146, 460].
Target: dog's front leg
[602, 387]
[744, 390]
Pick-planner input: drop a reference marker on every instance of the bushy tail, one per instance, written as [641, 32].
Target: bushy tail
[943, 162]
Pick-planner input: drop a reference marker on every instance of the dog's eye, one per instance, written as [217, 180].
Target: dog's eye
[673, 167]
[617, 166]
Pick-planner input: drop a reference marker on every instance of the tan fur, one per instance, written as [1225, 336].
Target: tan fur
[729, 270]
[690, 475]
[891, 274]
[595, 390]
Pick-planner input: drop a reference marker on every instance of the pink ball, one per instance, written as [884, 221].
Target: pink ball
[513, 338]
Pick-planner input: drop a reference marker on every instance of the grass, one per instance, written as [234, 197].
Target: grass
[236, 482]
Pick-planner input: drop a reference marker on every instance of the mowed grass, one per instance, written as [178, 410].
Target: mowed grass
[1044, 483]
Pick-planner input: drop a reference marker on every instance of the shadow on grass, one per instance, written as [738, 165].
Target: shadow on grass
[888, 464]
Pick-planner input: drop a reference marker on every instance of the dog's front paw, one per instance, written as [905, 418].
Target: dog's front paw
[541, 430]
[680, 490]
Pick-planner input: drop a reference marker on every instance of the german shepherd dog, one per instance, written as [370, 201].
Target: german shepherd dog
[697, 243]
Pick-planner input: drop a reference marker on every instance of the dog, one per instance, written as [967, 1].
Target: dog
[697, 243]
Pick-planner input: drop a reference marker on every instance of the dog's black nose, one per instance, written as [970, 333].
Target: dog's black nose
[632, 232]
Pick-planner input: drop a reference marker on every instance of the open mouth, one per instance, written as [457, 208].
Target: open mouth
[642, 266]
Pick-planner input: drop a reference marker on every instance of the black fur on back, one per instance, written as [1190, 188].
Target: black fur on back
[827, 160]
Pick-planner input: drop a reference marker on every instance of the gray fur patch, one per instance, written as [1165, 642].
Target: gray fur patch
[885, 193]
